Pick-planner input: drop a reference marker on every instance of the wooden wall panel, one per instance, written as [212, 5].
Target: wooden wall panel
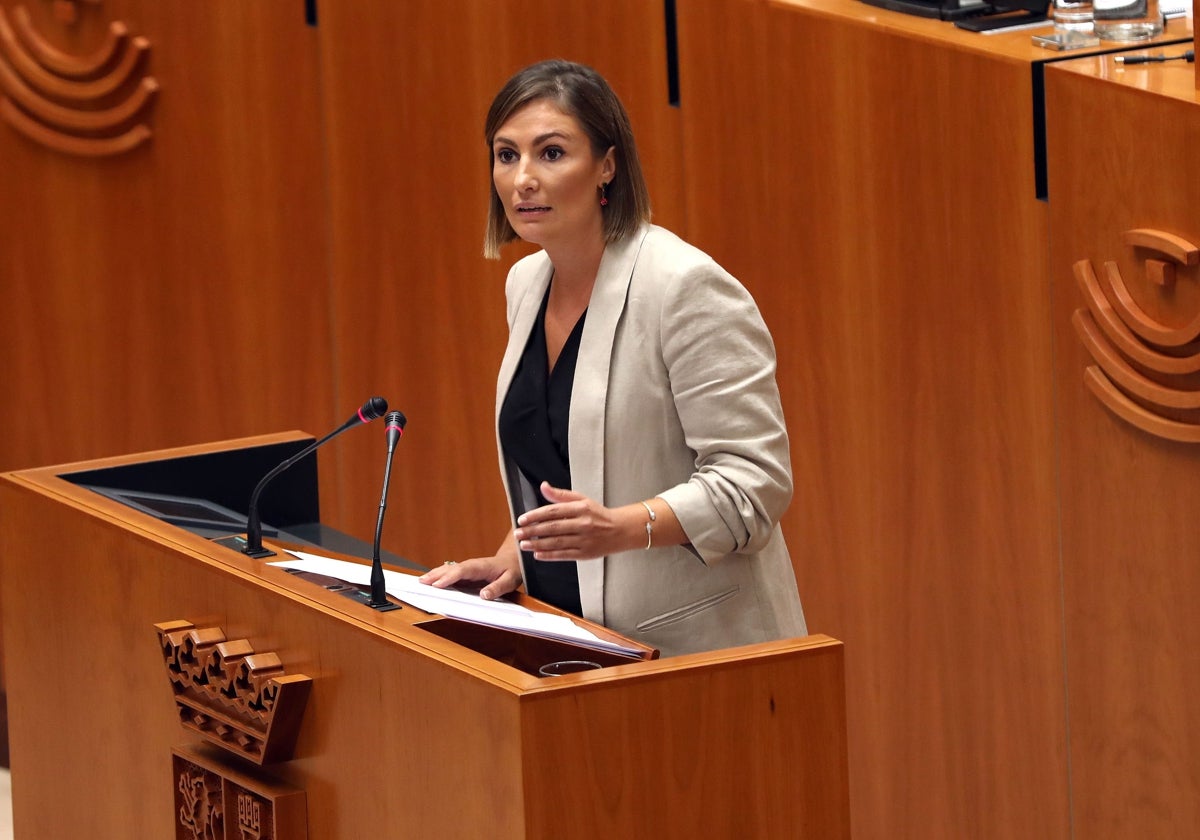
[1130, 541]
[418, 314]
[170, 294]
[875, 191]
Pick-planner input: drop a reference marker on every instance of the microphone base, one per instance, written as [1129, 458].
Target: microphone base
[386, 606]
[358, 594]
[239, 542]
[365, 598]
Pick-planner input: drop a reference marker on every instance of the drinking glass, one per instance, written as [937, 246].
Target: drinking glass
[567, 666]
[1073, 29]
[1073, 16]
[1127, 20]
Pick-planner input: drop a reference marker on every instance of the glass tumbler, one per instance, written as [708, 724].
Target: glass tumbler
[1127, 21]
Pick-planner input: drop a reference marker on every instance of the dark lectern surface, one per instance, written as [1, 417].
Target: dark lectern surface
[208, 494]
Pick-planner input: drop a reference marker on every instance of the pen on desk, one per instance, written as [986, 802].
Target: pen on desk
[1189, 56]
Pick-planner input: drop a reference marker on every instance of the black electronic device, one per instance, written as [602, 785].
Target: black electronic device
[1006, 14]
[207, 493]
[940, 9]
[972, 15]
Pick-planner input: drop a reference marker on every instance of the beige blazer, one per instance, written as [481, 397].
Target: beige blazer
[675, 397]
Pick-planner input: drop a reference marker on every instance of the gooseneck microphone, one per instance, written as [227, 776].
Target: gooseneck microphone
[394, 428]
[371, 409]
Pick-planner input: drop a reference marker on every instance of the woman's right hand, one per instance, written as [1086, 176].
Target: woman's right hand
[500, 573]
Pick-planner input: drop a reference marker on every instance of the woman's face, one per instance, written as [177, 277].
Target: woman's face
[548, 177]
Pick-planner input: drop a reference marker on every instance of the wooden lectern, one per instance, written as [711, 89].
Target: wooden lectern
[405, 732]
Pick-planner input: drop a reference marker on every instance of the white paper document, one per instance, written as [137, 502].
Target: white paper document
[454, 604]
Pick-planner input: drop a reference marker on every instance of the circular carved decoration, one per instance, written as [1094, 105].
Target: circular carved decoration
[1147, 363]
[91, 105]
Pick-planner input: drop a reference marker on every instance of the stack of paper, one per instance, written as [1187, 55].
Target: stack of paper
[455, 604]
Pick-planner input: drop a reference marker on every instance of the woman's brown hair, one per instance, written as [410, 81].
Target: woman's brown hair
[583, 93]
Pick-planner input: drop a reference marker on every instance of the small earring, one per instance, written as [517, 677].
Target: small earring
[604, 195]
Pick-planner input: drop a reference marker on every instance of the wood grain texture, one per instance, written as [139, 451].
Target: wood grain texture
[1128, 498]
[152, 298]
[789, 710]
[877, 197]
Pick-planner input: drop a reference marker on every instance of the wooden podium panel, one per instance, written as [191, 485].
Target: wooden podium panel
[1123, 152]
[405, 734]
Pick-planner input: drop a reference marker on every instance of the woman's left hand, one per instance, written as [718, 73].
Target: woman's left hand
[574, 527]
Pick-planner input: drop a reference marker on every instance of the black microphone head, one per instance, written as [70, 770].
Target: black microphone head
[373, 409]
[397, 419]
[393, 428]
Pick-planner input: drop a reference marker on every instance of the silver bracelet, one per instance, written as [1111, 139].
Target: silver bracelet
[650, 524]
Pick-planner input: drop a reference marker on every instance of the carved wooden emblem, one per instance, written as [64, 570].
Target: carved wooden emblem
[232, 697]
[216, 802]
[91, 105]
[1145, 338]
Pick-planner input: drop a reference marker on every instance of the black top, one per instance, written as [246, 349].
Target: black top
[533, 422]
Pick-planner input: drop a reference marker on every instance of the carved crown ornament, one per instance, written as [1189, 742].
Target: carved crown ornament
[229, 695]
[1147, 353]
[92, 104]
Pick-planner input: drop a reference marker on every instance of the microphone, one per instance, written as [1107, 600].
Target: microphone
[395, 422]
[371, 409]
